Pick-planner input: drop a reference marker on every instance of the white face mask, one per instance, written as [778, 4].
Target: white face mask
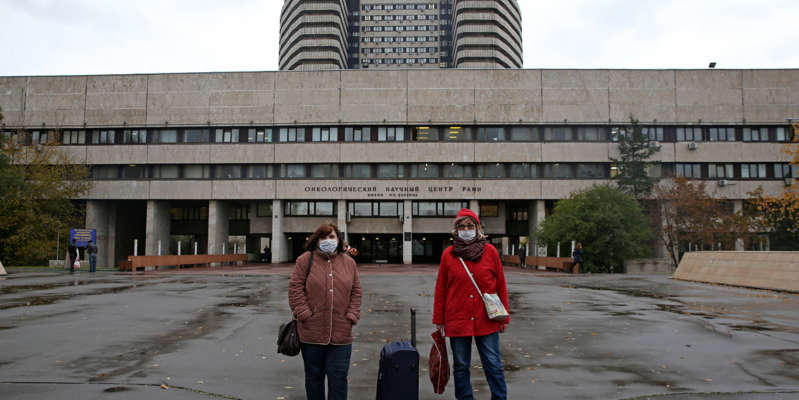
[328, 245]
[467, 235]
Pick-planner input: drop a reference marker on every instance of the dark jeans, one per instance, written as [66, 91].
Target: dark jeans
[92, 262]
[326, 360]
[71, 264]
[488, 347]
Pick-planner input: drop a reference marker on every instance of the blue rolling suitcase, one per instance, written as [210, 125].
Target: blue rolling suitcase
[398, 375]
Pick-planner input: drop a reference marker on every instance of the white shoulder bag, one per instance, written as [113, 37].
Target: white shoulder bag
[494, 308]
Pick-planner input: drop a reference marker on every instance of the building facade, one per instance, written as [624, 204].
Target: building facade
[238, 161]
[360, 34]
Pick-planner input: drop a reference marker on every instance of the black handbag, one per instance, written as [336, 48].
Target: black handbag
[288, 340]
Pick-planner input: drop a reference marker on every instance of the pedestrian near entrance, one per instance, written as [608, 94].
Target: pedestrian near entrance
[73, 255]
[326, 303]
[458, 308]
[91, 250]
[577, 257]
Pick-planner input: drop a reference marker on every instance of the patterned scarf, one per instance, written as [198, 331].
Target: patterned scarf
[472, 250]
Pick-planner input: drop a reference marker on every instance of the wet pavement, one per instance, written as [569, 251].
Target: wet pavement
[209, 333]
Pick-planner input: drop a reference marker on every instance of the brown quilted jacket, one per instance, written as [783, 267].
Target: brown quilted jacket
[328, 303]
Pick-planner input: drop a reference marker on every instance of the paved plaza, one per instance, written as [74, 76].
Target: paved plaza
[206, 334]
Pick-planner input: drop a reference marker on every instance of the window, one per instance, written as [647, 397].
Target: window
[73, 137]
[716, 171]
[227, 135]
[189, 214]
[103, 137]
[324, 134]
[263, 209]
[489, 209]
[524, 134]
[105, 172]
[558, 171]
[310, 208]
[753, 171]
[518, 214]
[292, 134]
[458, 171]
[557, 133]
[259, 135]
[166, 172]
[259, 171]
[688, 170]
[494, 170]
[425, 170]
[196, 171]
[134, 136]
[689, 134]
[375, 208]
[437, 208]
[133, 172]
[521, 170]
[389, 171]
[597, 134]
[781, 136]
[231, 171]
[195, 136]
[491, 134]
[721, 134]
[356, 134]
[390, 134]
[292, 171]
[591, 171]
[755, 134]
[425, 134]
[652, 133]
[358, 171]
[782, 171]
[324, 171]
[240, 213]
[457, 134]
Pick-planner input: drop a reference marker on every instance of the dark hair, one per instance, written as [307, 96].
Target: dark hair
[321, 232]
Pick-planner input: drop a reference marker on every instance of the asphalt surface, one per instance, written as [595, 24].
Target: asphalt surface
[210, 334]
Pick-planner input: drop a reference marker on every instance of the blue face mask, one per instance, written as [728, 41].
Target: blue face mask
[328, 245]
[467, 235]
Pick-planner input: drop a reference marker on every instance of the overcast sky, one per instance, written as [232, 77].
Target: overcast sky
[58, 37]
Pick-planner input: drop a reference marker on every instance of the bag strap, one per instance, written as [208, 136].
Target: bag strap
[470, 276]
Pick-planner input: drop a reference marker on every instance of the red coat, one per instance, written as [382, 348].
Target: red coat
[457, 305]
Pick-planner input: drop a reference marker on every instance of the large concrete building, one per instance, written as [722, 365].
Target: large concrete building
[355, 34]
[224, 160]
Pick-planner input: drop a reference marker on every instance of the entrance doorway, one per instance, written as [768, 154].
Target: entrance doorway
[427, 248]
[379, 249]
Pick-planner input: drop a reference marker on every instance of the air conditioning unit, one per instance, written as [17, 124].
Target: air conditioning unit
[724, 182]
[788, 181]
[692, 146]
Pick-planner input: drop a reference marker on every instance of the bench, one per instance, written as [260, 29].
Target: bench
[563, 264]
[135, 262]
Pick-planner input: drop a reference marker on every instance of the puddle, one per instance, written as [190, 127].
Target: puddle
[50, 299]
[117, 389]
[750, 328]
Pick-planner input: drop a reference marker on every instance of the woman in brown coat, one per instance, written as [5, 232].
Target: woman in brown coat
[326, 305]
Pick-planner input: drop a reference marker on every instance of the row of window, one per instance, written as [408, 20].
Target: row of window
[438, 170]
[400, 28]
[390, 6]
[388, 50]
[390, 39]
[422, 60]
[518, 133]
[399, 17]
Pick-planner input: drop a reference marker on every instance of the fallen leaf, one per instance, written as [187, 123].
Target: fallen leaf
[532, 368]
[288, 387]
[708, 380]
[164, 386]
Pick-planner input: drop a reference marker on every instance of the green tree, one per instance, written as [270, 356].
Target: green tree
[608, 222]
[635, 149]
[38, 183]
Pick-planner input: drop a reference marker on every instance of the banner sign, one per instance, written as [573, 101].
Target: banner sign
[82, 236]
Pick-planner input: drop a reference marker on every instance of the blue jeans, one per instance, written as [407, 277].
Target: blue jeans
[92, 262]
[330, 360]
[488, 347]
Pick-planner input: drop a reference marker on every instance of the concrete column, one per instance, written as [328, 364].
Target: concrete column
[102, 216]
[341, 219]
[280, 251]
[158, 227]
[218, 226]
[738, 206]
[532, 226]
[407, 227]
[474, 205]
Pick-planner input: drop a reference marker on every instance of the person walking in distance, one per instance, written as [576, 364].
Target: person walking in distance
[91, 250]
[73, 255]
[577, 257]
[326, 303]
[458, 308]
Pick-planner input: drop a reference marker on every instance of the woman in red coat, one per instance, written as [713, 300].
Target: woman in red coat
[458, 308]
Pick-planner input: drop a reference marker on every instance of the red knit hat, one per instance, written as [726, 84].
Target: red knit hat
[465, 212]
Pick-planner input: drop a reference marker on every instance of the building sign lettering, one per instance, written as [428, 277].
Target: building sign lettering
[393, 191]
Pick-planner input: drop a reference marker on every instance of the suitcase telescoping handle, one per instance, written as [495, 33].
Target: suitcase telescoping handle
[413, 327]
